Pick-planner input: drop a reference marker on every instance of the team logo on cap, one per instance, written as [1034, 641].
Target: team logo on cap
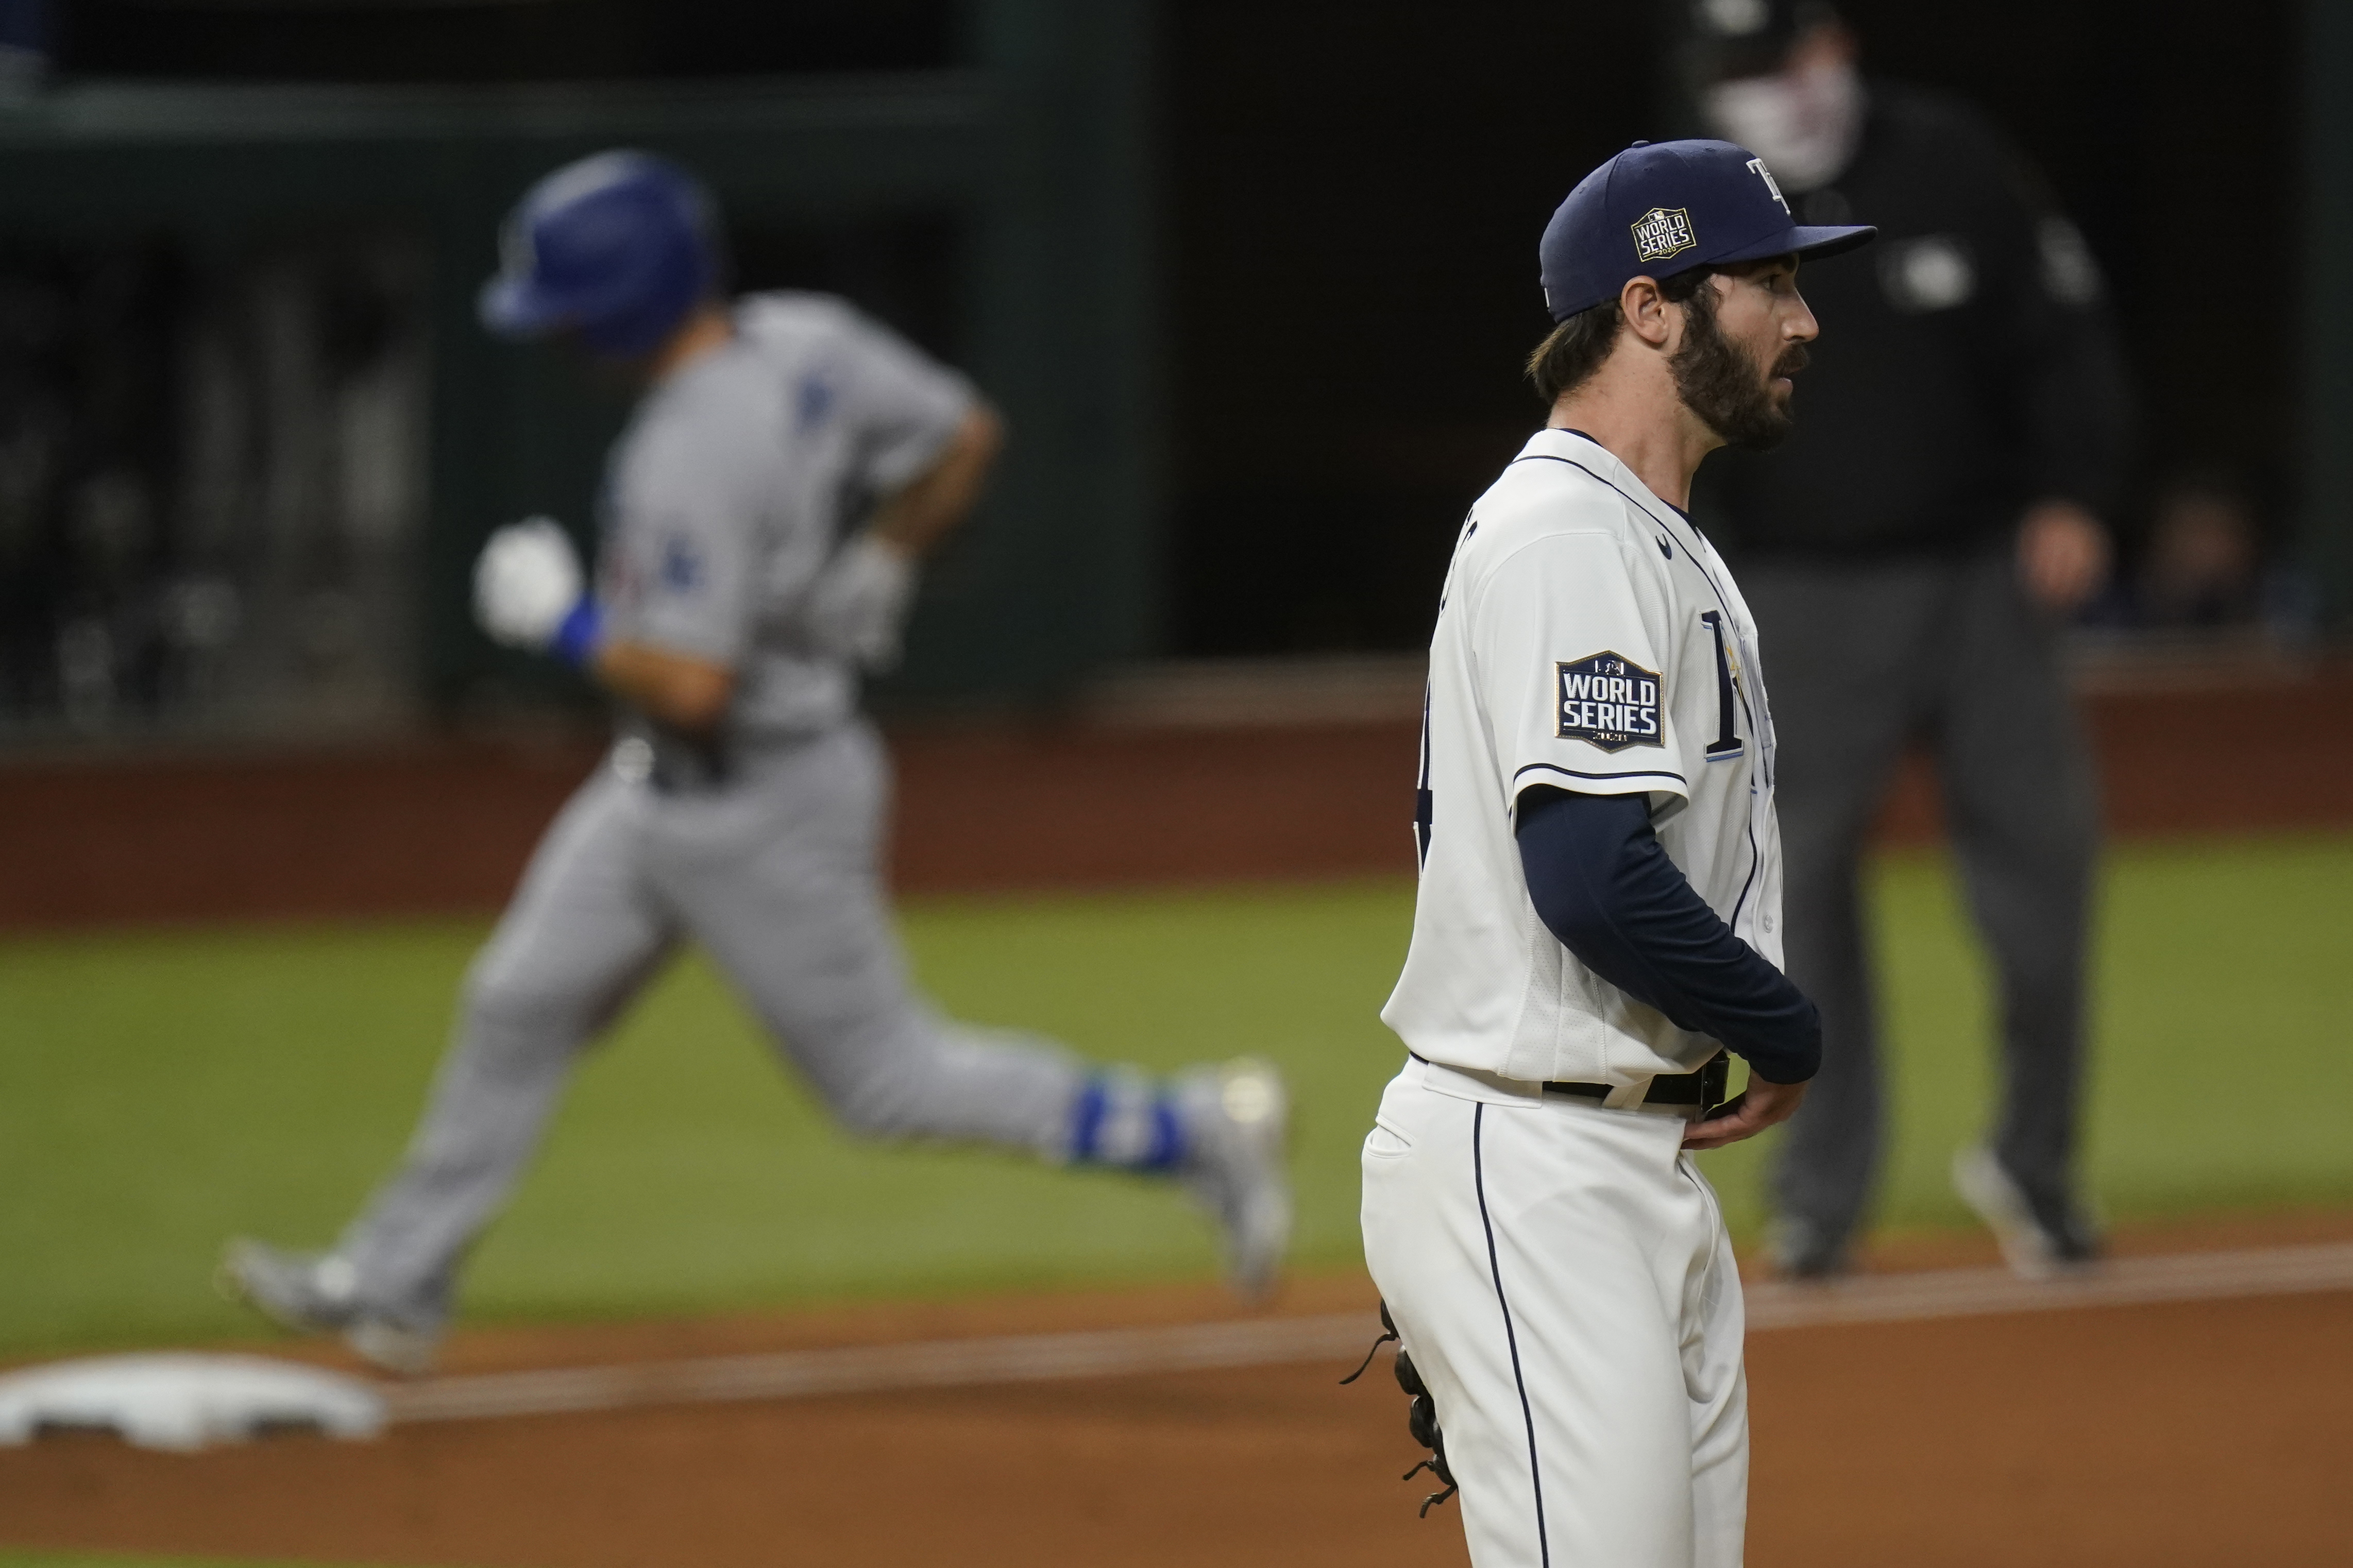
[1610, 701]
[1756, 167]
[1663, 232]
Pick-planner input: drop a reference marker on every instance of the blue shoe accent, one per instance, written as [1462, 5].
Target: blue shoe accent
[1167, 1151]
[1087, 1119]
[1124, 1121]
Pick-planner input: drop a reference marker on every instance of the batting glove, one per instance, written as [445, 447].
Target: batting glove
[857, 606]
[528, 592]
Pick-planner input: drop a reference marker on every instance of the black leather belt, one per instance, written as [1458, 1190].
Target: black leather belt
[1705, 1089]
[695, 772]
[678, 766]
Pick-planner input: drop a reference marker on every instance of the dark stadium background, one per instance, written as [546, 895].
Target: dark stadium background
[1253, 282]
[1349, 195]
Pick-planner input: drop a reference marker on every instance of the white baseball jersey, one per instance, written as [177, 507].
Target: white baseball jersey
[1590, 638]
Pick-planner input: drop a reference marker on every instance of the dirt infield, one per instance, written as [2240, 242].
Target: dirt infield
[444, 827]
[2181, 1434]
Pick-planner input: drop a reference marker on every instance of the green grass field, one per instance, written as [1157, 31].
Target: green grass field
[159, 1091]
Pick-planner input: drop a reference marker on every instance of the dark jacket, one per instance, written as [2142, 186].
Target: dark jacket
[1965, 368]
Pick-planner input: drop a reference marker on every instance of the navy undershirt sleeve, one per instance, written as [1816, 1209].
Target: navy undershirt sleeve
[1602, 882]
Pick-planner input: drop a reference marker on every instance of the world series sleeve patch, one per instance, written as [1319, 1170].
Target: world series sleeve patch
[1610, 701]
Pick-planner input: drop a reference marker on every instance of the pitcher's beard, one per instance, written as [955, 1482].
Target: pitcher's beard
[1719, 380]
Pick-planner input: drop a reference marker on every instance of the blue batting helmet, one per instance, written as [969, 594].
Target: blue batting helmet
[618, 248]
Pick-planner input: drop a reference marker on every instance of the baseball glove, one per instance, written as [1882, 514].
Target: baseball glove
[1420, 1417]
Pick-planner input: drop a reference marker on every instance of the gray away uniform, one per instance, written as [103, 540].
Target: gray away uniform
[725, 498]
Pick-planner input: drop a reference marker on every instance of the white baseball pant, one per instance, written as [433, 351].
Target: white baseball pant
[1561, 1276]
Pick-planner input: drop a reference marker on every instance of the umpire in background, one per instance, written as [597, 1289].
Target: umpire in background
[1911, 555]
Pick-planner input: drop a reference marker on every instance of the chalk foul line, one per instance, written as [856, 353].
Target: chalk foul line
[866, 1369]
[1271, 1341]
[2120, 1282]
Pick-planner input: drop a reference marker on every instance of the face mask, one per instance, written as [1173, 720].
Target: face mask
[1803, 124]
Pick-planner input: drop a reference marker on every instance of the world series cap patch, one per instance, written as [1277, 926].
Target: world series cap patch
[1610, 701]
[1662, 233]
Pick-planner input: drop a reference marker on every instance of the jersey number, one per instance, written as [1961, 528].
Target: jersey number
[1727, 738]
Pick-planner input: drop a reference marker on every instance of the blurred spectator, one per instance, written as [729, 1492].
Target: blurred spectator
[1911, 555]
[2208, 562]
[2202, 566]
[212, 484]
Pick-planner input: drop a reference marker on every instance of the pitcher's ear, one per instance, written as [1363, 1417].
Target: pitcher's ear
[1645, 308]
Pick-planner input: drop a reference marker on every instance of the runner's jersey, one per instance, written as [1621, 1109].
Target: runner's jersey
[734, 484]
[1590, 638]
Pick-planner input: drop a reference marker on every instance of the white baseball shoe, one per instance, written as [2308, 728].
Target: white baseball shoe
[317, 1293]
[2036, 1244]
[1237, 1118]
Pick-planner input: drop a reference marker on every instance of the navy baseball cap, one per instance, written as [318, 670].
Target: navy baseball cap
[1663, 207]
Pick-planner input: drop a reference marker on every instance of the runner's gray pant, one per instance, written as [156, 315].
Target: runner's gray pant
[1862, 658]
[776, 875]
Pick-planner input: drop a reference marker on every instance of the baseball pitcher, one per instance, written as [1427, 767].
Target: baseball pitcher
[1599, 907]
